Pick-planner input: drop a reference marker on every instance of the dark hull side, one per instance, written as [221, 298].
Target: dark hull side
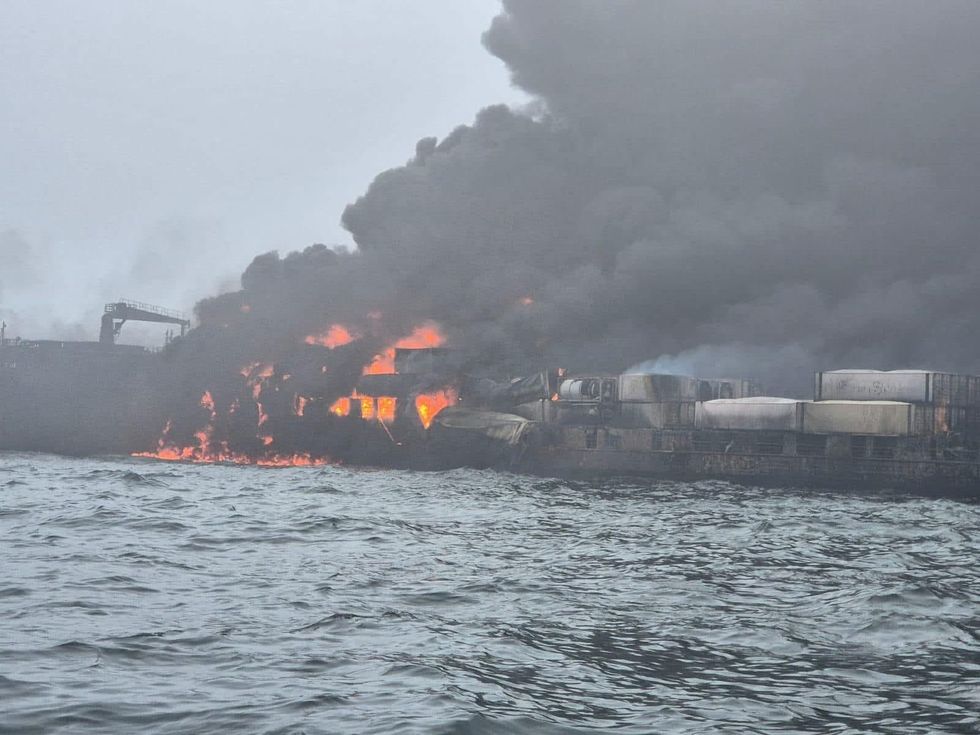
[567, 452]
[77, 401]
[960, 479]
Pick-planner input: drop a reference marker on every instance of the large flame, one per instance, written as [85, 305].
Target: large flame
[386, 408]
[424, 335]
[367, 407]
[336, 335]
[427, 405]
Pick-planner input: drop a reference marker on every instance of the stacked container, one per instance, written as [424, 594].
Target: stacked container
[942, 402]
[874, 418]
[657, 401]
[913, 386]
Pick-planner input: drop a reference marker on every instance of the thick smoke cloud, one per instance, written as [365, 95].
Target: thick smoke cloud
[755, 187]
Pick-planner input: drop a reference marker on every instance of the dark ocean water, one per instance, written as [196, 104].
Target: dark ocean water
[138, 596]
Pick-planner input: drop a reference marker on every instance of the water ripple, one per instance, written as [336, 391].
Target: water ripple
[170, 599]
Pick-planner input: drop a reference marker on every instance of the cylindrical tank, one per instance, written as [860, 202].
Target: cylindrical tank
[579, 389]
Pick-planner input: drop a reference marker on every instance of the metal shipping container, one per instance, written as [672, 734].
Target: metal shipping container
[883, 418]
[914, 386]
[763, 413]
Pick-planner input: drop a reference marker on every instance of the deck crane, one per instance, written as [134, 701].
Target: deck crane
[119, 312]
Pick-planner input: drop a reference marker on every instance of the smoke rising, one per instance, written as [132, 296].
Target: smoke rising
[760, 188]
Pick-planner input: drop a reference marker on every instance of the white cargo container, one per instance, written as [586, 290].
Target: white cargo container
[762, 413]
[877, 418]
[657, 387]
[914, 386]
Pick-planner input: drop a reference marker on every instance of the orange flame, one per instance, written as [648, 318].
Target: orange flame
[367, 407]
[191, 454]
[428, 405]
[386, 408]
[256, 371]
[341, 407]
[424, 335]
[255, 374]
[206, 452]
[336, 335]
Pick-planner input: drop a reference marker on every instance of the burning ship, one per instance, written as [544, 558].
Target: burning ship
[341, 396]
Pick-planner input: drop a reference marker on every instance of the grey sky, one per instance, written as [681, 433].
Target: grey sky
[151, 149]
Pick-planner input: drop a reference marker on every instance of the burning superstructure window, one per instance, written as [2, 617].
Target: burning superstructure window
[386, 408]
[367, 407]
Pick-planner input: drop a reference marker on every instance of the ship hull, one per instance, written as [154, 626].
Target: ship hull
[579, 451]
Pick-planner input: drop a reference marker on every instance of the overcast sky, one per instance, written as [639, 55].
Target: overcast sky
[149, 150]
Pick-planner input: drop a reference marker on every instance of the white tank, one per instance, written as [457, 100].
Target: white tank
[579, 389]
